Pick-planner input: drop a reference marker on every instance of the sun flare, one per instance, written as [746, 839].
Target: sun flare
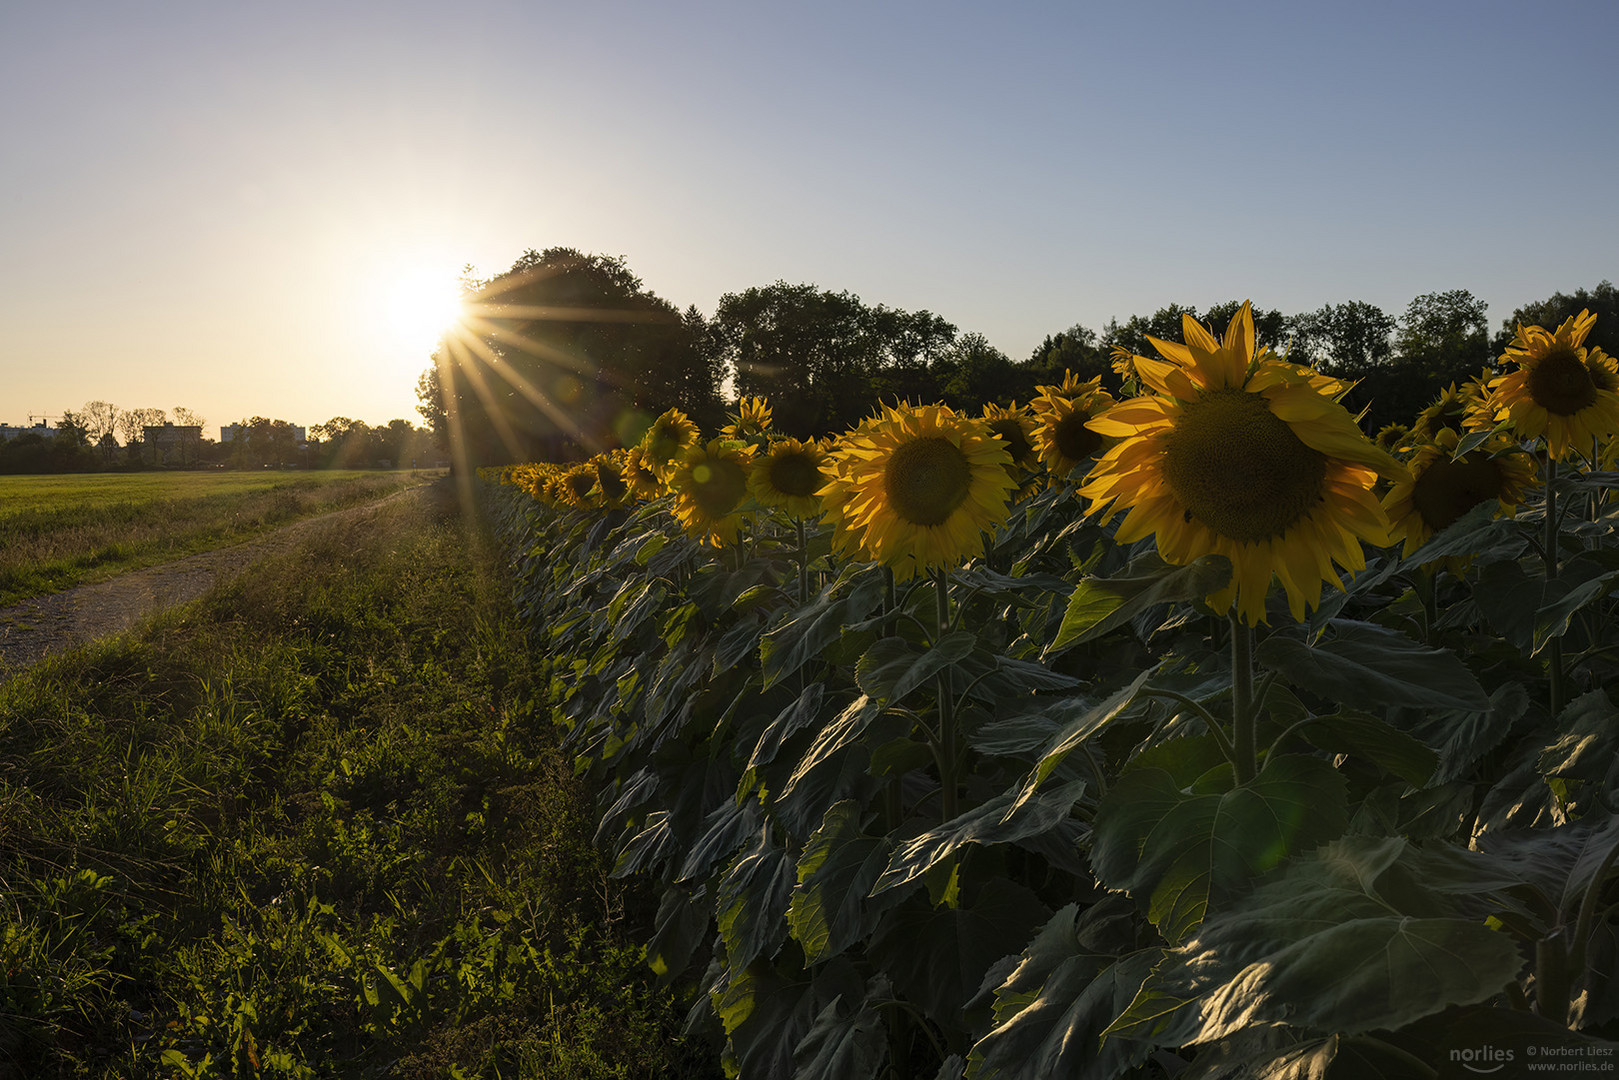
[415, 306]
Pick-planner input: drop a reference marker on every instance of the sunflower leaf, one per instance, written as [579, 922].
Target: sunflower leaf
[1182, 852]
[1099, 605]
[1324, 947]
[1052, 1008]
[1366, 662]
[893, 667]
[1001, 820]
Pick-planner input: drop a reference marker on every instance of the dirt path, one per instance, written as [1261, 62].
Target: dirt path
[47, 624]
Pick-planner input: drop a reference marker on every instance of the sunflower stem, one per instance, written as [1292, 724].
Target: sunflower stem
[803, 564]
[1243, 740]
[946, 752]
[1554, 650]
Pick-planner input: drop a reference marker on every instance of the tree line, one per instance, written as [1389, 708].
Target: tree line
[101, 436]
[567, 353]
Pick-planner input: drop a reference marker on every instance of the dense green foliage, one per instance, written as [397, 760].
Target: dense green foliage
[987, 824]
[313, 826]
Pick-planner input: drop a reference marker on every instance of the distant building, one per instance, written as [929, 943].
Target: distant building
[171, 444]
[232, 432]
[42, 429]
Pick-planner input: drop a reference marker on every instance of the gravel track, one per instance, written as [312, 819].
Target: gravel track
[35, 628]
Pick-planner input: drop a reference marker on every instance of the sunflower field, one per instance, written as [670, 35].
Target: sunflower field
[1190, 734]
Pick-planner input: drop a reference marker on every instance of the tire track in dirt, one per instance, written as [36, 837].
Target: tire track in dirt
[33, 629]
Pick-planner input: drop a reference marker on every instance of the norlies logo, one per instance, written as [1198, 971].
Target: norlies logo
[1484, 1059]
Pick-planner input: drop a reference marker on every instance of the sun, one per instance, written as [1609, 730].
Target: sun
[415, 305]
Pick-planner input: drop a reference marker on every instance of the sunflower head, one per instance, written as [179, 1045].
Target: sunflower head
[573, 487]
[1014, 426]
[1390, 437]
[710, 485]
[612, 486]
[1557, 389]
[1238, 454]
[788, 475]
[750, 423]
[643, 480]
[916, 488]
[670, 436]
[1061, 425]
[1447, 412]
[1442, 487]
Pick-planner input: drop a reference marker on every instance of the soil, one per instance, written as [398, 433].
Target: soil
[35, 628]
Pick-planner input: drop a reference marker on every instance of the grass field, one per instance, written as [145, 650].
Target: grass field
[317, 825]
[61, 531]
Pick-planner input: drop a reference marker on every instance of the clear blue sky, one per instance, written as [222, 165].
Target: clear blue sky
[209, 204]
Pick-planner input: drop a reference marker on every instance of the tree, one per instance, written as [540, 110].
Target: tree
[186, 418]
[976, 373]
[132, 424]
[1602, 301]
[565, 353]
[824, 358]
[100, 419]
[1445, 334]
[262, 441]
[1349, 340]
[1075, 350]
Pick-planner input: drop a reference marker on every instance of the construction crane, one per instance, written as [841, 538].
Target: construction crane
[44, 421]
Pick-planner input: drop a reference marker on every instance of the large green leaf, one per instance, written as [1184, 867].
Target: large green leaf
[751, 901]
[805, 631]
[727, 827]
[1476, 532]
[1324, 948]
[682, 924]
[844, 730]
[1183, 854]
[893, 667]
[1099, 605]
[802, 711]
[1375, 740]
[1002, 820]
[1079, 720]
[1461, 737]
[1051, 1010]
[1364, 662]
[767, 1011]
[937, 956]
[1530, 611]
[837, 868]
[1586, 745]
[846, 1042]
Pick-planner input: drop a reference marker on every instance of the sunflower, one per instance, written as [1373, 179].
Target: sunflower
[1559, 390]
[1391, 437]
[612, 488]
[1123, 362]
[710, 484]
[1441, 487]
[750, 422]
[916, 487]
[1015, 428]
[644, 481]
[788, 475]
[1241, 455]
[670, 436]
[572, 487]
[1062, 417]
[1447, 412]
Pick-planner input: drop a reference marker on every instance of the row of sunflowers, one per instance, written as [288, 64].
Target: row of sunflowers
[1192, 733]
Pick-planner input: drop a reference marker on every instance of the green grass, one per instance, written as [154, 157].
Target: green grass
[61, 531]
[316, 825]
